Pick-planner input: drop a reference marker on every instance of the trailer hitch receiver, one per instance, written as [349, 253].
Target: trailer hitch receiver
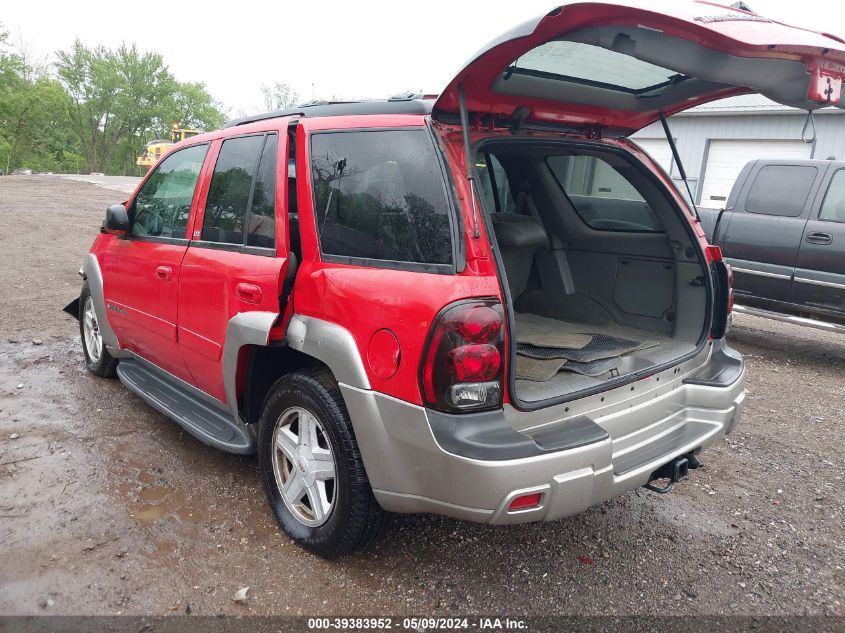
[674, 471]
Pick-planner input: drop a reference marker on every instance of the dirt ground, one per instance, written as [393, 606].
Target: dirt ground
[107, 507]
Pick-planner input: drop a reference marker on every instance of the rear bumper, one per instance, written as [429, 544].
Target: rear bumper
[472, 466]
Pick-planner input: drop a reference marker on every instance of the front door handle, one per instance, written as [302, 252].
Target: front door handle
[248, 292]
[819, 238]
[165, 273]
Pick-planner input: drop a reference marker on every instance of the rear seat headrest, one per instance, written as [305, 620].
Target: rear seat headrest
[514, 230]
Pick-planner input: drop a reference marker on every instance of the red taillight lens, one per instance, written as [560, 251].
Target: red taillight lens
[722, 276]
[730, 288]
[712, 254]
[462, 365]
[475, 363]
[480, 324]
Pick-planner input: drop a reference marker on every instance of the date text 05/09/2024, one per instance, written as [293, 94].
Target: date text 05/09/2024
[419, 624]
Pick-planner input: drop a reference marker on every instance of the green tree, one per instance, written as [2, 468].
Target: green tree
[114, 96]
[34, 128]
[96, 111]
[122, 98]
[191, 106]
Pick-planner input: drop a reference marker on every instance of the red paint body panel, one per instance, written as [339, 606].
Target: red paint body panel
[141, 305]
[405, 302]
[208, 298]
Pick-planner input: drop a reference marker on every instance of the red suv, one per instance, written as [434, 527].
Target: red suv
[492, 306]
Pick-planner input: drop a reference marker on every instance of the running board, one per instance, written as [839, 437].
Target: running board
[210, 424]
[786, 318]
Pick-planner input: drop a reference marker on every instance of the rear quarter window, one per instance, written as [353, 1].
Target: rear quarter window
[780, 190]
[379, 196]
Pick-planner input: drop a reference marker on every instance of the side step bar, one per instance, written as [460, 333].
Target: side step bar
[207, 422]
[786, 318]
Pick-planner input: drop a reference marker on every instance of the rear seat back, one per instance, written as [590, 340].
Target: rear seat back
[518, 236]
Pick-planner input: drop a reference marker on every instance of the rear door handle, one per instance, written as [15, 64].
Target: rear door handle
[165, 273]
[248, 292]
[819, 238]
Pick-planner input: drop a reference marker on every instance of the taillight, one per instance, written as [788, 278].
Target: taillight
[713, 253]
[730, 288]
[462, 364]
[723, 297]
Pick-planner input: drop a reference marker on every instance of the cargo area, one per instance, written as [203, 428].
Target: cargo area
[603, 275]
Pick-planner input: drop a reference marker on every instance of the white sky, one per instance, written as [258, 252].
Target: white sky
[346, 49]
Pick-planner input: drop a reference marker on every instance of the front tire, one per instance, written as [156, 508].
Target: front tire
[312, 469]
[97, 358]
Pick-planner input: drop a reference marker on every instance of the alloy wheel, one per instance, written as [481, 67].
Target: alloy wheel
[91, 336]
[304, 466]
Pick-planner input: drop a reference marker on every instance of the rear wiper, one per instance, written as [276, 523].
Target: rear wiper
[678, 162]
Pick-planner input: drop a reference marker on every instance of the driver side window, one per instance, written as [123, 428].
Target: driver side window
[163, 204]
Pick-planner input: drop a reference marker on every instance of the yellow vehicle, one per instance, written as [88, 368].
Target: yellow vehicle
[154, 149]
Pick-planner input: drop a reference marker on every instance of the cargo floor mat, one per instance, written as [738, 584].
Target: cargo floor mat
[537, 369]
[595, 368]
[600, 346]
[532, 329]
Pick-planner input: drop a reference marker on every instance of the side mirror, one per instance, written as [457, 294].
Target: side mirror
[117, 220]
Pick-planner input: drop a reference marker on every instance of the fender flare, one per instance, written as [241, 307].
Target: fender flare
[94, 277]
[331, 344]
[245, 328]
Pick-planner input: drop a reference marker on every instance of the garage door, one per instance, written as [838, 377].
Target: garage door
[659, 150]
[727, 158]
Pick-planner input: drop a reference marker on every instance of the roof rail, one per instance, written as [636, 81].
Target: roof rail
[401, 104]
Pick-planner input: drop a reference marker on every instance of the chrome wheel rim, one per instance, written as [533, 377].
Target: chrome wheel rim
[304, 466]
[91, 332]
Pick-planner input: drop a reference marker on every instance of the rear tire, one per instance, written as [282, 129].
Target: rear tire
[97, 358]
[312, 469]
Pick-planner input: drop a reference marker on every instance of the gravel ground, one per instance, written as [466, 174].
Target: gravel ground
[106, 507]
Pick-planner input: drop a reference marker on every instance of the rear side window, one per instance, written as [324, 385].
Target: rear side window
[163, 204]
[833, 207]
[603, 196]
[261, 220]
[230, 190]
[780, 190]
[380, 195]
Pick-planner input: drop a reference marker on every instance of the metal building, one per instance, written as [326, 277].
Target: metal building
[717, 139]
